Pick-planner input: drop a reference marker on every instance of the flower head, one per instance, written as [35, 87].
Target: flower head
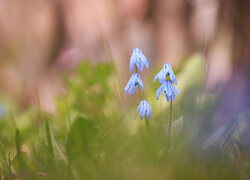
[166, 70]
[145, 110]
[169, 90]
[138, 59]
[132, 84]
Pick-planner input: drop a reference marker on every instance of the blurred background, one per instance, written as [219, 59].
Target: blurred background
[42, 39]
[63, 68]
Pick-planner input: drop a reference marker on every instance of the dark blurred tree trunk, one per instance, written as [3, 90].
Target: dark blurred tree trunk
[234, 16]
[241, 25]
[60, 37]
[241, 54]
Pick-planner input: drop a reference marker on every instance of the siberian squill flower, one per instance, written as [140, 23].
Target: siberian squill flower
[166, 70]
[138, 59]
[145, 110]
[169, 90]
[133, 83]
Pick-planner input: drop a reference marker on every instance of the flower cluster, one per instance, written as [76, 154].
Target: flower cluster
[167, 85]
[138, 61]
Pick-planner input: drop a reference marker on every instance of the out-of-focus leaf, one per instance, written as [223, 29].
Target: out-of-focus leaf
[81, 137]
[177, 126]
[5, 165]
[18, 141]
[217, 134]
[89, 88]
[48, 136]
[21, 160]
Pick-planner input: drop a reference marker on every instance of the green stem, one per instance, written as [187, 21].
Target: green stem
[49, 141]
[68, 115]
[171, 117]
[140, 95]
[147, 124]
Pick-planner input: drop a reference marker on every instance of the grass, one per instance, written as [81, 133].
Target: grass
[94, 135]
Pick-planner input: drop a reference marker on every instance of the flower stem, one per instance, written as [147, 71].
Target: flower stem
[140, 93]
[171, 116]
[147, 124]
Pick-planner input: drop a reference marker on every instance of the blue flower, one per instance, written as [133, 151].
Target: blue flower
[138, 59]
[166, 70]
[132, 84]
[169, 90]
[145, 110]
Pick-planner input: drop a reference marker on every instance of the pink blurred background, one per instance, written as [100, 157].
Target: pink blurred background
[41, 39]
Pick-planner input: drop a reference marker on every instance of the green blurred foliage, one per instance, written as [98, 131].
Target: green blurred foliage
[82, 139]
[94, 135]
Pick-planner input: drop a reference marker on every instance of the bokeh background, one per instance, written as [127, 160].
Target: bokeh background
[207, 43]
[42, 39]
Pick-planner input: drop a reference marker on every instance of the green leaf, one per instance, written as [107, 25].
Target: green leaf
[21, 161]
[81, 138]
[5, 166]
[18, 141]
[49, 141]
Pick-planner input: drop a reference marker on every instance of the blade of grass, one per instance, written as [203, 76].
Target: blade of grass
[18, 143]
[49, 141]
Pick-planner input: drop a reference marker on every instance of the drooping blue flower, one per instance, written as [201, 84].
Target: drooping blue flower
[133, 83]
[145, 110]
[138, 59]
[166, 70]
[168, 89]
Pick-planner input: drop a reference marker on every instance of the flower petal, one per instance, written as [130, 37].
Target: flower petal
[159, 91]
[140, 81]
[144, 60]
[139, 64]
[132, 89]
[173, 78]
[143, 109]
[173, 96]
[168, 88]
[132, 61]
[137, 110]
[130, 83]
[175, 90]
[126, 88]
[156, 77]
[167, 97]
